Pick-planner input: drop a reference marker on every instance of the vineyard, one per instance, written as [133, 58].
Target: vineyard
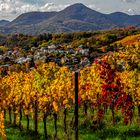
[108, 91]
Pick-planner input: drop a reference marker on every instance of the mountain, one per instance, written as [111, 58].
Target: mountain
[124, 19]
[32, 18]
[78, 17]
[4, 22]
[74, 18]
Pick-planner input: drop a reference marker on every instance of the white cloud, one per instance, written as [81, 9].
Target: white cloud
[130, 10]
[14, 7]
[92, 6]
[52, 7]
[129, 1]
[11, 8]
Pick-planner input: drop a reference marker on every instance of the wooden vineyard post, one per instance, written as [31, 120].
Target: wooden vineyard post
[76, 106]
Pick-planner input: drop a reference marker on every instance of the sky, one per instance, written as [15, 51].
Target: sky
[10, 9]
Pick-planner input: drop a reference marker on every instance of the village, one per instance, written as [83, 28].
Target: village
[69, 57]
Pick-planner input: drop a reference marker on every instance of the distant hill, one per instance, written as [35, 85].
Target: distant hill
[78, 17]
[74, 18]
[123, 19]
[4, 22]
[32, 18]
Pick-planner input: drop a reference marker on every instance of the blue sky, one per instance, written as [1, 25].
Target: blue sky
[10, 9]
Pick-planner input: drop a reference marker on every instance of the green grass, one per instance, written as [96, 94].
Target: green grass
[87, 131]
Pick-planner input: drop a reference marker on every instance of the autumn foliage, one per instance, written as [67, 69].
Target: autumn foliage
[111, 83]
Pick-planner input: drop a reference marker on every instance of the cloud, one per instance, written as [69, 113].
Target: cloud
[131, 11]
[12, 8]
[20, 6]
[52, 7]
[15, 6]
[129, 1]
[94, 7]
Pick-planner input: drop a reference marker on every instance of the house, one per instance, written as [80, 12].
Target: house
[64, 59]
[38, 53]
[9, 52]
[43, 57]
[5, 66]
[62, 51]
[44, 49]
[75, 61]
[52, 48]
[82, 50]
[28, 59]
[33, 48]
[36, 57]
[23, 60]
[71, 51]
[84, 61]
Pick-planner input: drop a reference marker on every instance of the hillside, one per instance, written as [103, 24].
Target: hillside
[129, 40]
[31, 18]
[4, 22]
